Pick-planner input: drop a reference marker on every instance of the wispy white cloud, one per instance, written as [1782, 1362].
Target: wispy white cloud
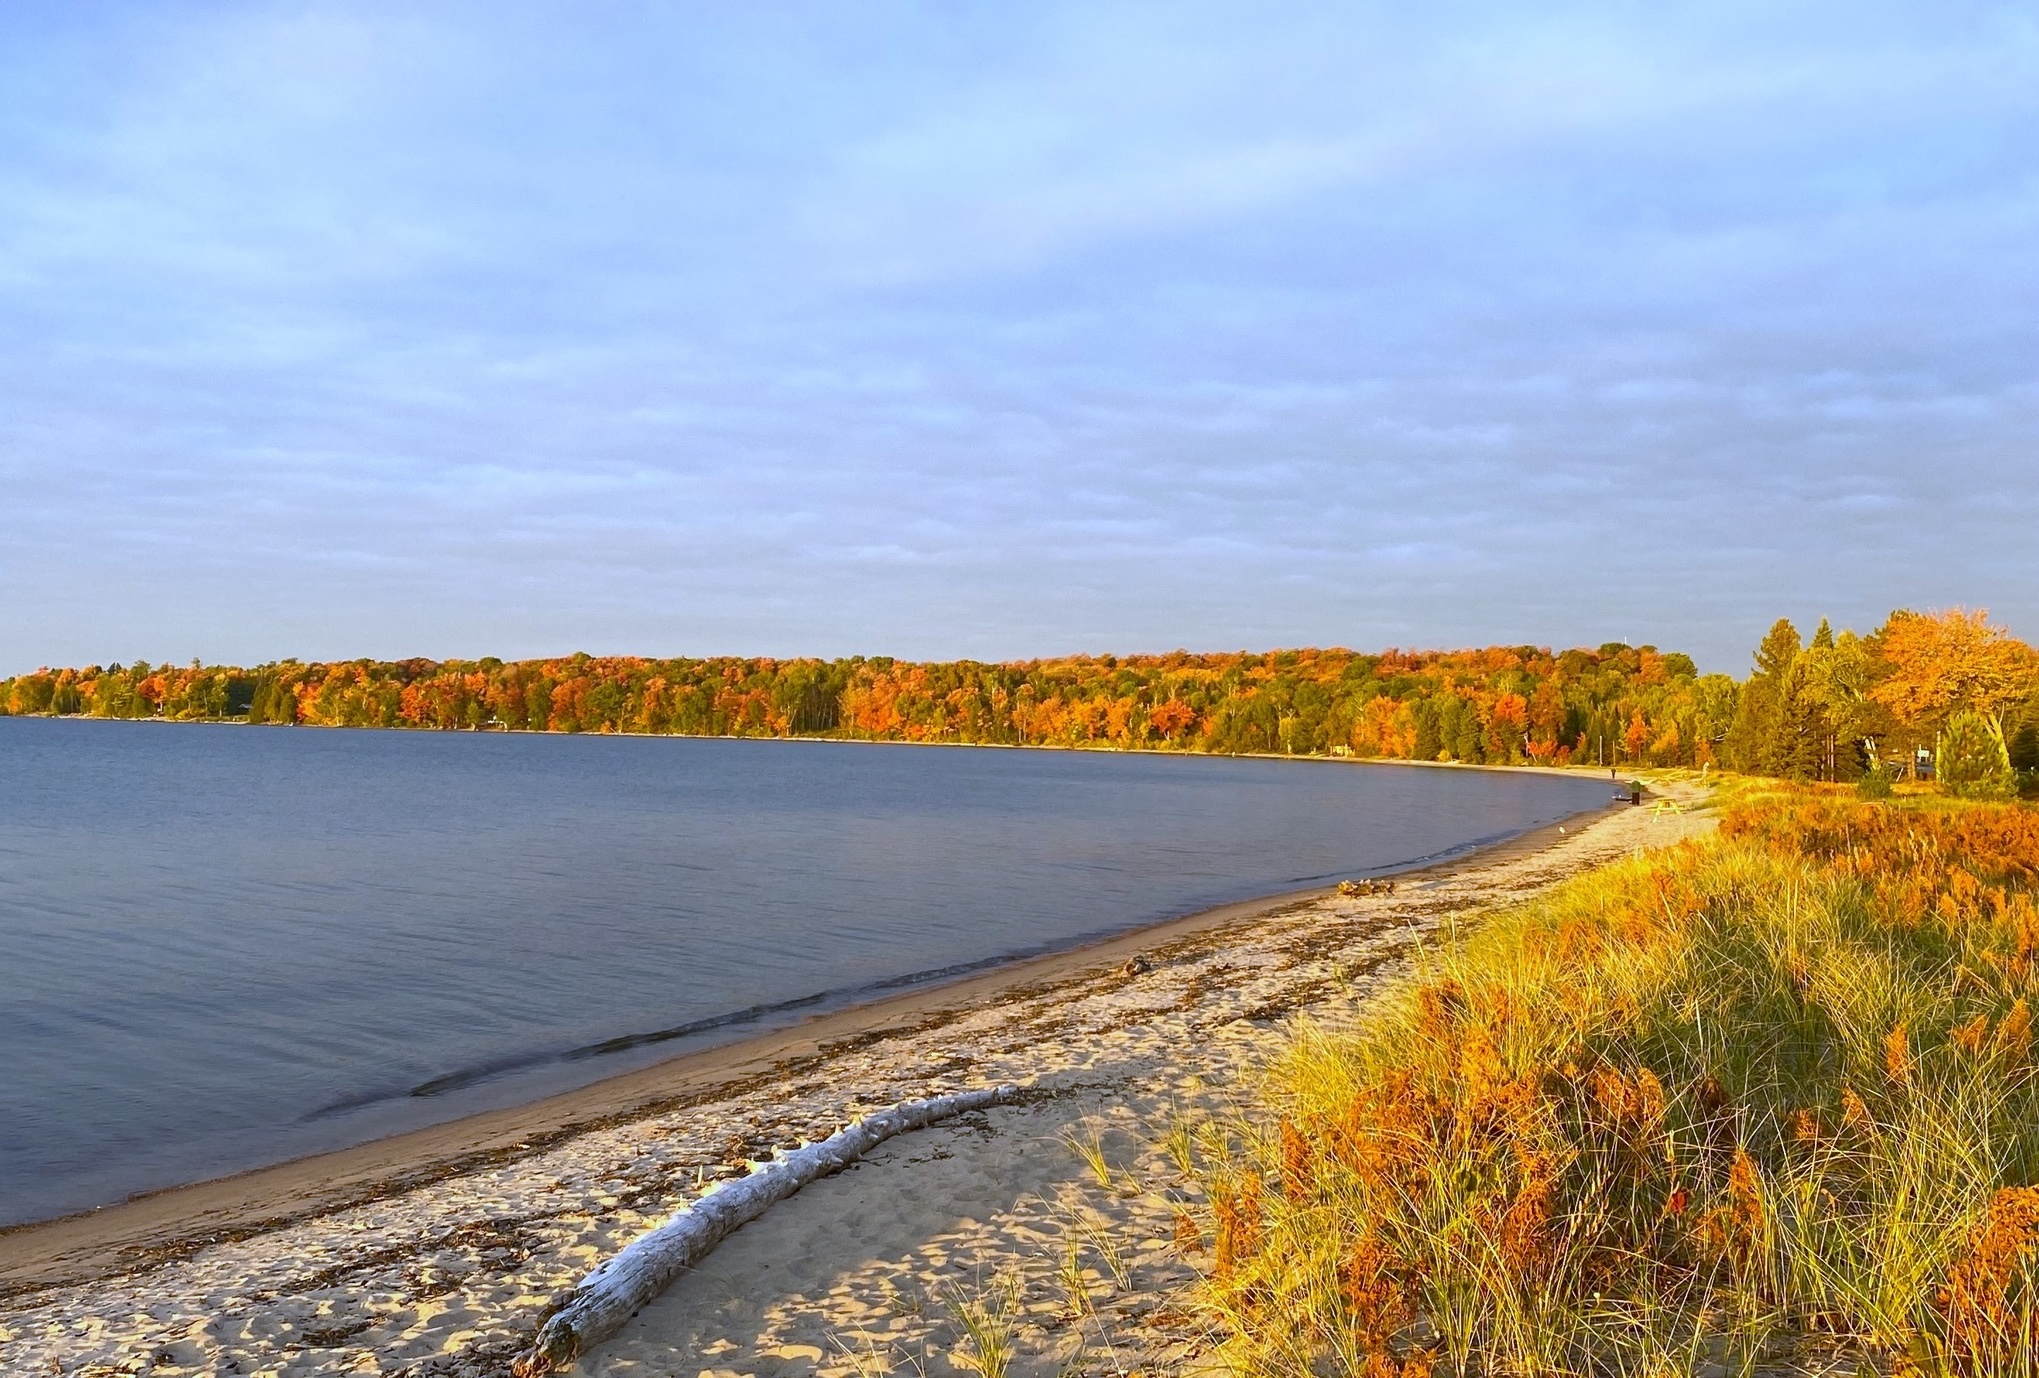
[357, 329]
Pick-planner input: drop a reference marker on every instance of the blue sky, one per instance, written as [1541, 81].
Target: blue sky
[1000, 330]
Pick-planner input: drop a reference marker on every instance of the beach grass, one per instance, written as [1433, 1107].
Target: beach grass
[1759, 1102]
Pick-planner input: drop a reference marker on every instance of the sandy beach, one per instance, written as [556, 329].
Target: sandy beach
[437, 1253]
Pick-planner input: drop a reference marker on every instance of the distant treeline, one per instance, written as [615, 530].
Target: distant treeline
[1509, 704]
[1810, 711]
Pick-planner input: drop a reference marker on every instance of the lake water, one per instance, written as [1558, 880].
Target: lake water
[224, 946]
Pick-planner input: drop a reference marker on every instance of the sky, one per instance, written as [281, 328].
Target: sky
[995, 331]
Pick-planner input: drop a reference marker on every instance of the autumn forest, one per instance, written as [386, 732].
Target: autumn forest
[1834, 707]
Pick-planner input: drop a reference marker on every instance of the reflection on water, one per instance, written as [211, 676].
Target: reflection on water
[227, 945]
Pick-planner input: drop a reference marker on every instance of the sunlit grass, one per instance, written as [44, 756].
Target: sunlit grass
[987, 1320]
[1746, 1101]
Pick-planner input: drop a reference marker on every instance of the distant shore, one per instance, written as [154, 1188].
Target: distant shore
[1573, 771]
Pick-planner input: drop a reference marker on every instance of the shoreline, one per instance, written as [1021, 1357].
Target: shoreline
[175, 1222]
[447, 1270]
[1573, 771]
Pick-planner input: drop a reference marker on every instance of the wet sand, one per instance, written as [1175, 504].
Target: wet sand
[437, 1251]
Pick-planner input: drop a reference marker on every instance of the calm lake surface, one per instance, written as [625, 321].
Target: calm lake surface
[224, 946]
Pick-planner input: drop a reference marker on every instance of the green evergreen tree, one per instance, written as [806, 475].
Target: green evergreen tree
[1780, 646]
[1752, 738]
[1428, 744]
[1466, 744]
[1972, 762]
[1795, 749]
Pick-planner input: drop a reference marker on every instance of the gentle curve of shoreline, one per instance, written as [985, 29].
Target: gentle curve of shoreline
[420, 1267]
[811, 737]
[436, 969]
[167, 1221]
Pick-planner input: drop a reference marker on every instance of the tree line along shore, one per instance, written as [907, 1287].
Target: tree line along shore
[1945, 688]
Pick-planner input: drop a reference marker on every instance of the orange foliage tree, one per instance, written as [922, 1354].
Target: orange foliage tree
[1497, 705]
[1937, 663]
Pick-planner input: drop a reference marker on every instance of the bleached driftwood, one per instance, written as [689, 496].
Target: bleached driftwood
[613, 1292]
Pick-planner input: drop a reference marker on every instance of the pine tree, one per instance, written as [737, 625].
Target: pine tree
[1752, 727]
[1752, 738]
[1427, 744]
[1796, 749]
[1781, 645]
[1972, 763]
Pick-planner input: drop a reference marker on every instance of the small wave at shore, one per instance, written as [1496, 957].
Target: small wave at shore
[477, 1074]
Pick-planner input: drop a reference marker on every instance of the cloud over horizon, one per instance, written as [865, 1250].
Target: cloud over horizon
[971, 331]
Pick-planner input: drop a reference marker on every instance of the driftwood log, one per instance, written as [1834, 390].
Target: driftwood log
[614, 1291]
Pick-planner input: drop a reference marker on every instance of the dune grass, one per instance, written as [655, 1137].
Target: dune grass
[1758, 1102]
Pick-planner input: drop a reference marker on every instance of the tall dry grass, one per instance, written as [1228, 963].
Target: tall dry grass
[1763, 1097]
